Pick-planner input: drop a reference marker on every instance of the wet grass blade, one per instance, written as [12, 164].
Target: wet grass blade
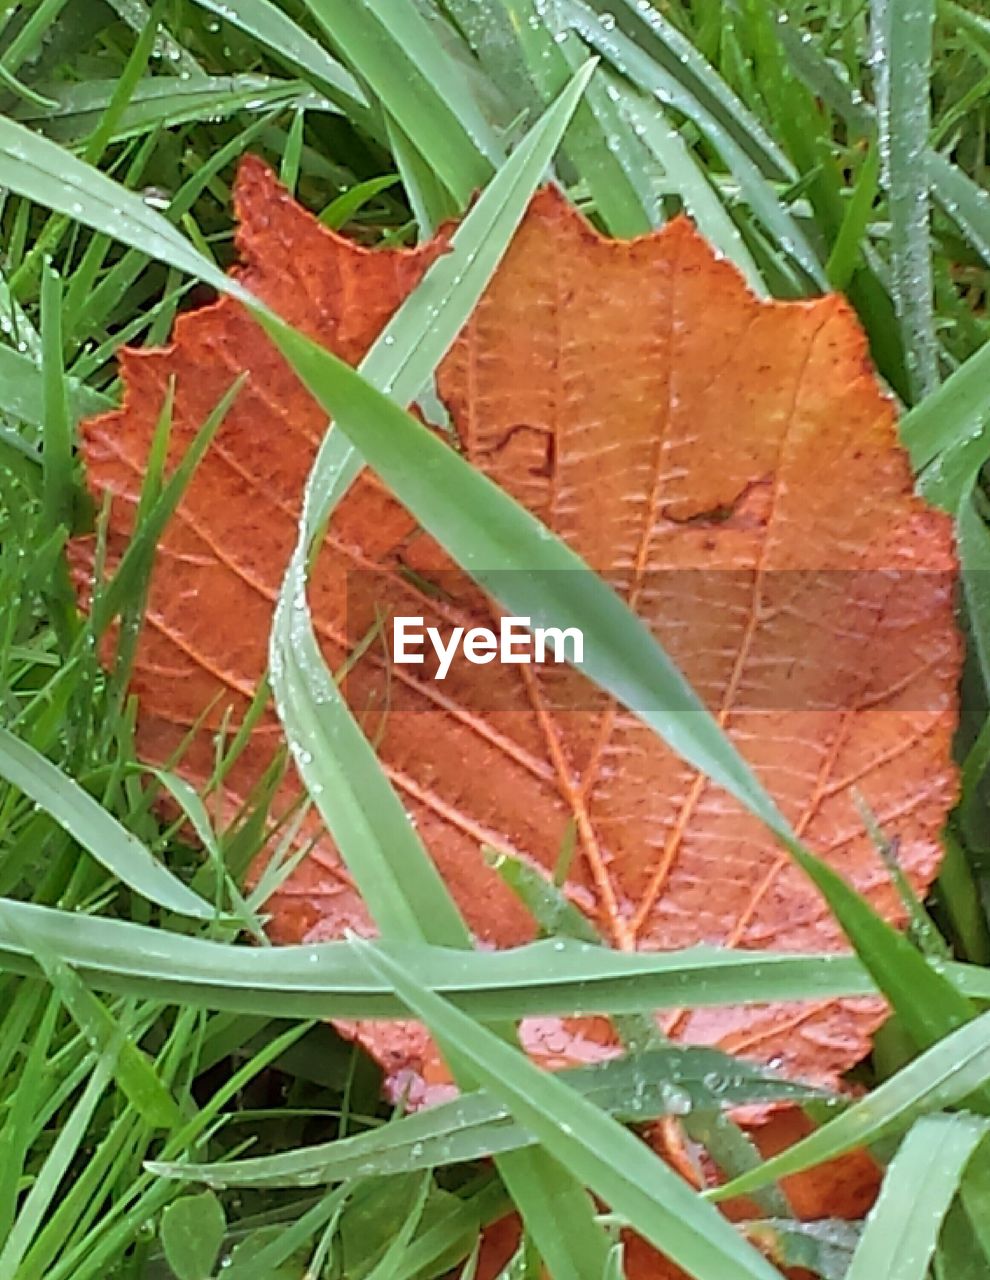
[903, 1226]
[670, 48]
[85, 819]
[967, 204]
[267, 23]
[405, 893]
[46, 173]
[392, 51]
[947, 425]
[941, 1077]
[609, 1159]
[637, 1088]
[902, 60]
[160, 103]
[684, 177]
[600, 147]
[22, 392]
[629, 60]
[327, 980]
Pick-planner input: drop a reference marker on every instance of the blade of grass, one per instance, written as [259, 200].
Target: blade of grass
[903, 1226]
[133, 1070]
[22, 391]
[337, 763]
[660, 39]
[686, 178]
[112, 845]
[158, 102]
[949, 419]
[599, 147]
[973, 540]
[395, 54]
[845, 256]
[902, 54]
[967, 204]
[46, 173]
[327, 980]
[609, 1159]
[56, 1165]
[637, 1088]
[127, 583]
[629, 60]
[941, 1077]
[267, 24]
[58, 485]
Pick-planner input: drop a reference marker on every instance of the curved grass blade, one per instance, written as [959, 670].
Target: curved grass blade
[439, 54]
[607, 1158]
[941, 1077]
[521, 51]
[526, 567]
[521, 46]
[327, 980]
[85, 819]
[903, 1226]
[43, 171]
[395, 874]
[636, 1089]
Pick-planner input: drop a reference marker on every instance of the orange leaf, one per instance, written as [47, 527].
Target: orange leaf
[729, 464]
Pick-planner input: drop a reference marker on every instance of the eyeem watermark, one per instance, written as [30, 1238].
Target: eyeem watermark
[815, 640]
[516, 641]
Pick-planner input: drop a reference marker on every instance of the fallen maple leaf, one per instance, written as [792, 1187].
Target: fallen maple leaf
[729, 464]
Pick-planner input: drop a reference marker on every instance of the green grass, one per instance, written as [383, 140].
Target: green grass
[146, 1046]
